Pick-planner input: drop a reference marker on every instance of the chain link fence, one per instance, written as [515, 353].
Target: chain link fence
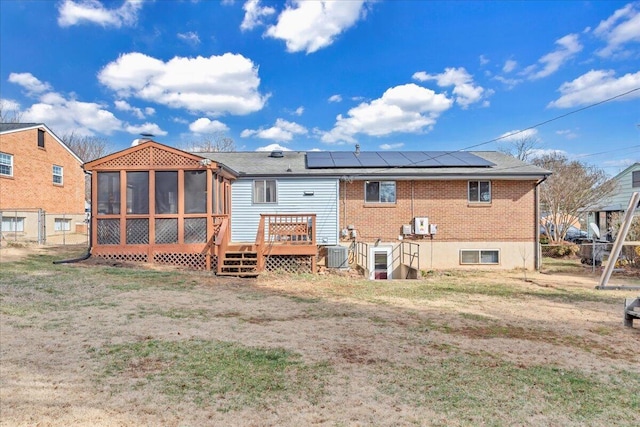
[41, 227]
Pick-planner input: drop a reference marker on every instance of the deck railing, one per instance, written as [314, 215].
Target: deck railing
[285, 234]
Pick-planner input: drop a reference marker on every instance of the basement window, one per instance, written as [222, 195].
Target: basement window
[13, 224]
[480, 256]
[62, 224]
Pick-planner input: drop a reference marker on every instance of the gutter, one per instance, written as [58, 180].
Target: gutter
[538, 256]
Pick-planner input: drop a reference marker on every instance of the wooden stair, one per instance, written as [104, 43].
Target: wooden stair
[242, 263]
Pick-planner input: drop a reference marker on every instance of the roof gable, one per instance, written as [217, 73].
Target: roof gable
[6, 128]
[149, 154]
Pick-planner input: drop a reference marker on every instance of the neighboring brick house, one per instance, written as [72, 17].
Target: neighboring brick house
[42, 184]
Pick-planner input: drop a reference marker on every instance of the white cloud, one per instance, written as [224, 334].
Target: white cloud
[282, 131]
[253, 14]
[29, 82]
[299, 111]
[484, 60]
[273, 147]
[92, 11]
[150, 128]
[516, 135]
[9, 106]
[464, 89]
[539, 152]
[619, 29]
[407, 108]
[510, 83]
[391, 146]
[68, 115]
[335, 98]
[215, 85]
[190, 37]
[596, 86]
[125, 106]
[568, 47]
[313, 25]
[204, 125]
[568, 134]
[509, 65]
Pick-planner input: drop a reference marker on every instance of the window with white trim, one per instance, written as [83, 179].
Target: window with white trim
[6, 164]
[57, 175]
[265, 191]
[62, 224]
[12, 223]
[479, 256]
[380, 191]
[479, 192]
[635, 179]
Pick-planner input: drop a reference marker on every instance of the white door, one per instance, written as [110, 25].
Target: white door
[380, 263]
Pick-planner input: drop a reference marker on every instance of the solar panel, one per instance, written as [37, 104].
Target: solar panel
[394, 159]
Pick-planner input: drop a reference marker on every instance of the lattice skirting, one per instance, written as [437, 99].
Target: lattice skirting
[289, 263]
[123, 257]
[195, 261]
[189, 260]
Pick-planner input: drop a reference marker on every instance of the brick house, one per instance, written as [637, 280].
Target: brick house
[397, 212]
[42, 185]
[391, 214]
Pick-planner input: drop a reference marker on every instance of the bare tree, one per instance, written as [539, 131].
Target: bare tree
[9, 114]
[522, 148]
[212, 143]
[86, 147]
[571, 187]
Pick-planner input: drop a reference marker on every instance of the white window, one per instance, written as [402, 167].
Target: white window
[635, 179]
[380, 191]
[6, 164]
[479, 192]
[264, 191]
[12, 223]
[57, 175]
[479, 256]
[62, 224]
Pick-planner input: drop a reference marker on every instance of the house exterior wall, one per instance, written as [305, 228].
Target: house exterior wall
[245, 216]
[506, 224]
[31, 186]
[625, 189]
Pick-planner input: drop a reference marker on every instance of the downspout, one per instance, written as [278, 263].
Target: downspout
[538, 255]
[88, 254]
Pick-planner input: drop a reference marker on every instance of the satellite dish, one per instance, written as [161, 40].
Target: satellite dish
[595, 229]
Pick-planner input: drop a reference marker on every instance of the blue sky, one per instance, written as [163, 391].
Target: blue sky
[321, 75]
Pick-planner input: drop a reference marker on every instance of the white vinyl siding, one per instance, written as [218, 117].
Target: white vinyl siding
[295, 195]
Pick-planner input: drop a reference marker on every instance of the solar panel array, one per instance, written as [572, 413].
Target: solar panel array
[394, 159]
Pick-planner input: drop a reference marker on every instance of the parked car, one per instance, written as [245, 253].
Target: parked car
[574, 234]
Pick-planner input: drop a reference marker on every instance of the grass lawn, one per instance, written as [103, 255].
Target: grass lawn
[92, 343]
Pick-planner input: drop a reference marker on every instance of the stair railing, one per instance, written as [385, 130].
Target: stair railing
[222, 242]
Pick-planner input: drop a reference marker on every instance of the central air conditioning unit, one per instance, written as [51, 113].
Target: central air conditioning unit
[421, 226]
[337, 257]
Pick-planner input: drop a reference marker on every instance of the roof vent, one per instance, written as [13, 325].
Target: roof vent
[276, 153]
